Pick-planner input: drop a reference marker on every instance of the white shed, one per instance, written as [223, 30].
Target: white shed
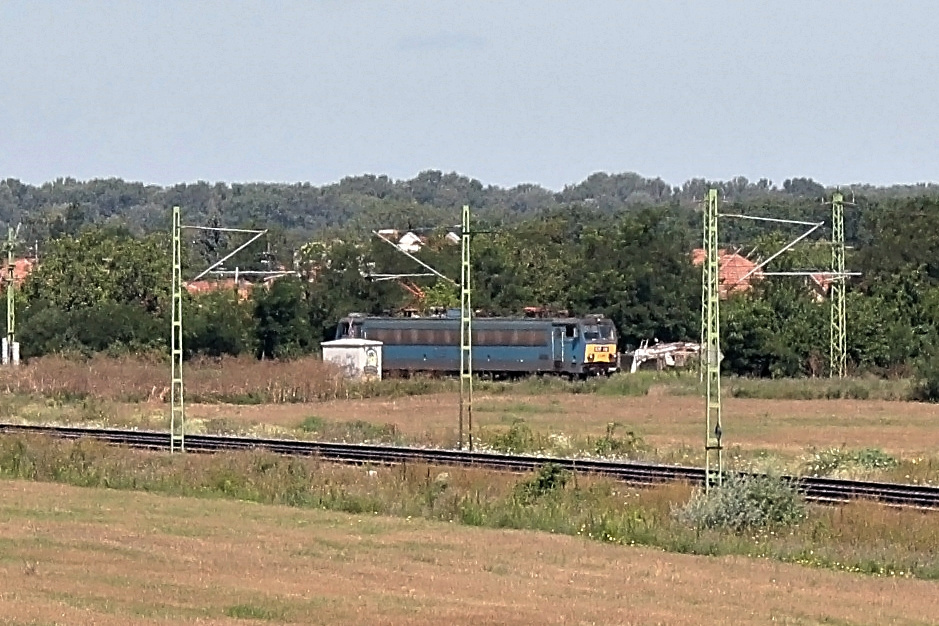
[358, 358]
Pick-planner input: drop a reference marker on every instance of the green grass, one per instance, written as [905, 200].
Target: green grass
[518, 408]
[867, 388]
[353, 431]
[255, 612]
[861, 538]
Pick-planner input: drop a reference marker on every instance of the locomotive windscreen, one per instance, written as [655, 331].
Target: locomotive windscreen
[602, 332]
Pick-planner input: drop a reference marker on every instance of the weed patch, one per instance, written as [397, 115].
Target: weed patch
[354, 431]
[744, 503]
[838, 461]
[254, 612]
[614, 444]
[518, 438]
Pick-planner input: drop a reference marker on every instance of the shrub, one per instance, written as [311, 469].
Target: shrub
[518, 438]
[744, 503]
[926, 383]
[613, 444]
[828, 462]
[549, 479]
[355, 431]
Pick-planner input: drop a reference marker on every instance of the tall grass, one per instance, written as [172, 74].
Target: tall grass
[239, 380]
[867, 388]
[862, 537]
[245, 380]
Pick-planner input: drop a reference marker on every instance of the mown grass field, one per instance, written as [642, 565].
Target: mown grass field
[96, 556]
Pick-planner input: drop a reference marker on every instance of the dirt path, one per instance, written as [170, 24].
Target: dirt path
[82, 556]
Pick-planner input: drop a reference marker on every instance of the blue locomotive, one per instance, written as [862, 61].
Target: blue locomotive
[502, 346]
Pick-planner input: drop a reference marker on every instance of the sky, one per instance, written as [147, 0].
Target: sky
[506, 92]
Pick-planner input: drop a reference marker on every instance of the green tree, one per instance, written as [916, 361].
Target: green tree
[281, 314]
[103, 265]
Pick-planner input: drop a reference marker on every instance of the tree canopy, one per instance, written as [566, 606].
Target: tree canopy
[614, 244]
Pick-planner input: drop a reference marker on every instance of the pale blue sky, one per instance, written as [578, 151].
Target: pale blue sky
[510, 92]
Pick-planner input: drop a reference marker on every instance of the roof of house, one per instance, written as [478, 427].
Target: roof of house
[207, 286]
[22, 268]
[734, 270]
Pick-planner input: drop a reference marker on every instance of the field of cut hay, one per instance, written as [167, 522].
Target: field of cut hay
[87, 556]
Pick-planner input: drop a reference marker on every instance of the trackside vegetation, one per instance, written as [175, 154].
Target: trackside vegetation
[761, 518]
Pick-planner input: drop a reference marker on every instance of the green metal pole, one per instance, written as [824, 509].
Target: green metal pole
[705, 277]
[11, 297]
[177, 408]
[711, 347]
[466, 331]
[838, 351]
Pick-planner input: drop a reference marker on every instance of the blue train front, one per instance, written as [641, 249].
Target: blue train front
[576, 347]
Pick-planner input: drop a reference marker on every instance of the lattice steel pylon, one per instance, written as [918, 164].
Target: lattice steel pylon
[466, 330]
[711, 346]
[11, 356]
[177, 406]
[838, 351]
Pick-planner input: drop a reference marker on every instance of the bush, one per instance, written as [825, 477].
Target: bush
[518, 438]
[926, 384]
[550, 479]
[744, 503]
[613, 444]
[828, 462]
[354, 431]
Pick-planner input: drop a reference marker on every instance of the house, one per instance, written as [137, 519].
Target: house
[199, 287]
[820, 284]
[22, 268]
[734, 271]
[411, 243]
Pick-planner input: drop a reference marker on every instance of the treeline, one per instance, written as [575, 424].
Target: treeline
[107, 287]
[300, 212]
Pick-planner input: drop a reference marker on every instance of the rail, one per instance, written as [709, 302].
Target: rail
[824, 490]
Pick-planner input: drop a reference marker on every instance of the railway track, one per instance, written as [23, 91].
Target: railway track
[825, 490]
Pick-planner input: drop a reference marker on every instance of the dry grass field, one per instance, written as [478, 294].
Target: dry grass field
[664, 421]
[94, 556]
[764, 428]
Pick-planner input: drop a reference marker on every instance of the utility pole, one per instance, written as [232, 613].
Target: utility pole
[466, 329]
[11, 349]
[177, 405]
[711, 346]
[838, 350]
[177, 408]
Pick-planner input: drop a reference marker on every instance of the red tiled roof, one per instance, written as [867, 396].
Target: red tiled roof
[732, 268]
[22, 268]
[208, 286]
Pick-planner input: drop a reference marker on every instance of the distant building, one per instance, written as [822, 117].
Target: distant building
[199, 287]
[733, 270]
[22, 268]
[410, 243]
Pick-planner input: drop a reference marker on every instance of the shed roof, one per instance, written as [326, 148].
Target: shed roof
[350, 342]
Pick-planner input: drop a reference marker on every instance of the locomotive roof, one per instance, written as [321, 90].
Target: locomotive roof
[531, 320]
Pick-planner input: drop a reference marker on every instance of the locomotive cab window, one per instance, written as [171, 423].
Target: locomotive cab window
[570, 330]
[601, 332]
